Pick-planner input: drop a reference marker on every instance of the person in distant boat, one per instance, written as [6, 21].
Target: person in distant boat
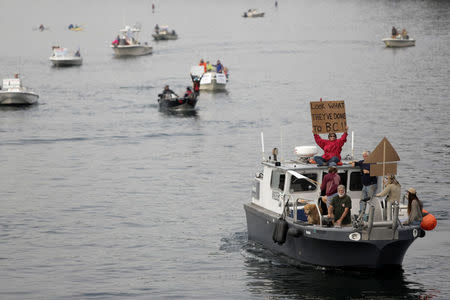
[188, 94]
[219, 67]
[41, 27]
[332, 148]
[369, 182]
[173, 32]
[414, 208]
[392, 192]
[70, 26]
[394, 32]
[202, 63]
[167, 90]
[404, 34]
[77, 54]
[16, 75]
[340, 207]
[209, 66]
[156, 28]
[153, 7]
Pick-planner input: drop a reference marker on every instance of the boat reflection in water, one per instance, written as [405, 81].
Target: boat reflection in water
[279, 276]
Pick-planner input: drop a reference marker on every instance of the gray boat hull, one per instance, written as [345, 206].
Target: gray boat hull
[329, 247]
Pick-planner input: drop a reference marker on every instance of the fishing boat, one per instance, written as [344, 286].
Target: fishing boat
[63, 57]
[163, 33]
[276, 217]
[13, 93]
[172, 102]
[210, 80]
[399, 41]
[253, 13]
[127, 43]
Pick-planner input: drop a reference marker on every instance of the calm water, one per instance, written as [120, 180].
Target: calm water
[105, 197]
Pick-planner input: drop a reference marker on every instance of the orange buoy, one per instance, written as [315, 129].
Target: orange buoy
[429, 221]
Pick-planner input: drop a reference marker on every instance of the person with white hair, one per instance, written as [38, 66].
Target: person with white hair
[340, 207]
[369, 182]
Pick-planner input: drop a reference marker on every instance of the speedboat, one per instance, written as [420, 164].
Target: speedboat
[276, 217]
[62, 57]
[253, 13]
[163, 33]
[210, 80]
[399, 41]
[13, 93]
[172, 102]
[127, 43]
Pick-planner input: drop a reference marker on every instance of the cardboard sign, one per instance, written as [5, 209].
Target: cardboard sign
[328, 116]
[383, 159]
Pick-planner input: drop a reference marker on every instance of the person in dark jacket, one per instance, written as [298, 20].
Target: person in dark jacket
[369, 182]
[340, 207]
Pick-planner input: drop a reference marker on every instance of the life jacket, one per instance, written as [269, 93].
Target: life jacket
[196, 86]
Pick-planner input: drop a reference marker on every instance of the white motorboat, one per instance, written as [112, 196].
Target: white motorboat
[210, 80]
[253, 13]
[399, 41]
[13, 93]
[127, 43]
[62, 57]
[164, 33]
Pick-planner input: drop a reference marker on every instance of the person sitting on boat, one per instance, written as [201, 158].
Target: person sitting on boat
[219, 67]
[156, 28]
[70, 26]
[41, 27]
[202, 63]
[167, 91]
[330, 183]
[173, 32]
[392, 191]
[414, 208]
[340, 207]
[209, 66]
[404, 34]
[188, 94]
[394, 32]
[78, 53]
[369, 182]
[332, 148]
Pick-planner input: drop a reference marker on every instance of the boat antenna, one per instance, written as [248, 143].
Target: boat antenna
[262, 144]
[353, 152]
[281, 144]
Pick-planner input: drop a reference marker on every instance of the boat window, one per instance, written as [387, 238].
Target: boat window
[301, 184]
[355, 181]
[277, 180]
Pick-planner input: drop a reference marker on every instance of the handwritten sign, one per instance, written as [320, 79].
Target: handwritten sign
[328, 116]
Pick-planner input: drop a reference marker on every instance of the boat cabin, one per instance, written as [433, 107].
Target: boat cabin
[299, 183]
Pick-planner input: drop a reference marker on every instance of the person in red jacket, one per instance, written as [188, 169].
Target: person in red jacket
[332, 148]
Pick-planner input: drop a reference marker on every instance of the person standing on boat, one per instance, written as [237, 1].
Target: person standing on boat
[330, 184]
[340, 206]
[369, 182]
[392, 191]
[414, 208]
[188, 94]
[332, 148]
[209, 66]
[202, 63]
[219, 67]
[394, 32]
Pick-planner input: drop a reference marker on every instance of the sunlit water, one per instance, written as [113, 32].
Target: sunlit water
[103, 196]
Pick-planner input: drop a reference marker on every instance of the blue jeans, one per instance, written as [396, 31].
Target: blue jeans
[322, 162]
[367, 192]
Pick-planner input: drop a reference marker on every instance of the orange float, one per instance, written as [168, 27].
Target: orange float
[429, 221]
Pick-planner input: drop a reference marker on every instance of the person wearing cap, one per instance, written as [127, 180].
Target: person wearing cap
[332, 148]
[330, 184]
[392, 191]
[369, 182]
[414, 208]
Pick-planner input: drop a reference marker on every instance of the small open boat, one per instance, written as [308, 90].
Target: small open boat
[253, 13]
[62, 57]
[127, 43]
